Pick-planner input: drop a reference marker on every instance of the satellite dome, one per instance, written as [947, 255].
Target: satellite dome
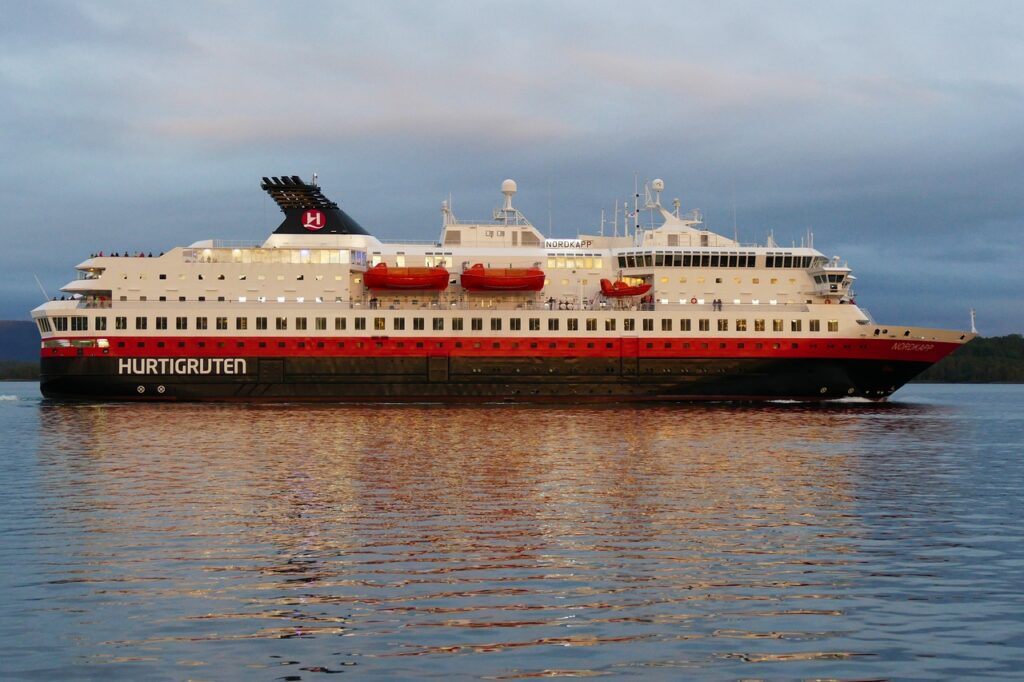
[508, 186]
[658, 185]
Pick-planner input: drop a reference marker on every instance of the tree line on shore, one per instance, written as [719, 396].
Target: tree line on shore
[997, 359]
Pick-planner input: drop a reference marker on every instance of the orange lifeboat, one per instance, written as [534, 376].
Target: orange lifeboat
[382, 277]
[620, 289]
[479, 278]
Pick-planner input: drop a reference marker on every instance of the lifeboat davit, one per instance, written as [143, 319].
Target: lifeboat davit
[479, 278]
[381, 276]
[620, 289]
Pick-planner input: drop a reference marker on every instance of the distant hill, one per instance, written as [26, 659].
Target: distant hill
[997, 359]
[19, 341]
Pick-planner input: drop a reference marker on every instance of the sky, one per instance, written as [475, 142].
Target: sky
[894, 131]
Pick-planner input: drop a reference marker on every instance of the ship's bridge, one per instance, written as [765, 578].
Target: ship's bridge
[831, 280]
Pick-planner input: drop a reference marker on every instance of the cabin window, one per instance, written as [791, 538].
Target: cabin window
[79, 323]
[101, 324]
[776, 325]
[281, 323]
[684, 325]
[573, 324]
[648, 324]
[495, 324]
[723, 325]
[629, 325]
[161, 323]
[591, 324]
[201, 323]
[609, 325]
[553, 324]
[704, 325]
[758, 325]
[340, 323]
[241, 323]
[399, 324]
[120, 323]
[515, 324]
[321, 324]
[222, 323]
[438, 324]
[814, 325]
[140, 322]
[360, 323]
[794, 325]
[456, 324]
[534, 324]
[418, 324]
[833, 325]
[379, 324]
[181, 323]
[261, 323]
[476, 324]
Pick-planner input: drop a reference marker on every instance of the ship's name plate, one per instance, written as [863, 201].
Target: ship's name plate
[568, 243]
[913, 347]
[181, 366]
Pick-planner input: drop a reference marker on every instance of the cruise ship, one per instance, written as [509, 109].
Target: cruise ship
[660, 309]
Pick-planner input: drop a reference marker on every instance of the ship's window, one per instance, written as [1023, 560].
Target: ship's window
[533, 344]
[723, 325]
[281, 323]
[714, 260]
[534, 324]
[755, 280]
[776, 325]
[609, 325]
[280, 344]
[140, 323]
[553, 324]
[163, 276]
[814, 325]
[684, 325]
[622, 261]
[418, 324]
[630, 261]
[495, 324]
[788, 262]
[320, 323]
[339, 323]
[704, 325]
[378, 324]
[161, 323]
[261, 323]
[222, 323]
[833, 325]
[163, 298]
[648, 324]
[181, 323]
[360, 323]
[120, 323]
[141, 344]
[476, 323]
[241, 323]
[515, 324]
[659, 260]
[666, 325]
[794, 325]
[741, 325]
[573, 324]
[456, 324]
[399, 324]
[419, 344]
[591, 324]
[552, 345]
[758, 325]
[629, 325]
[79, 324]
[44, 324]
[438, 324]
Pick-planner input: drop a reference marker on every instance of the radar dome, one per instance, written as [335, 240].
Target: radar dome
[658, 185]
[508, 186]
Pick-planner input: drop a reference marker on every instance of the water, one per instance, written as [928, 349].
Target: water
[235, 542]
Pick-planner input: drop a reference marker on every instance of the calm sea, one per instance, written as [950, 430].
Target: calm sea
[291, 542]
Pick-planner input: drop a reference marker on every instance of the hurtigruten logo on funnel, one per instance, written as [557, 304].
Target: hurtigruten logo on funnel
[314, 220]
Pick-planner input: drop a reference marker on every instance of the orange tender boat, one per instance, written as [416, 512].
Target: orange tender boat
[382, 277]
[479, 278]
[620, 289]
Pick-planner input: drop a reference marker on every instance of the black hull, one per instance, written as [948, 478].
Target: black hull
[519, 379]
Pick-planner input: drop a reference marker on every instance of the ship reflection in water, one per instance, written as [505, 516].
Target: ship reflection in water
[263, 542]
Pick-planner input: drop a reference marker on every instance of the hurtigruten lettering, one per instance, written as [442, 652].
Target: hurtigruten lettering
[181, 366]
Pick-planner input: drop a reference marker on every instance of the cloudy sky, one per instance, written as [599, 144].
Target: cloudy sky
[892, 130]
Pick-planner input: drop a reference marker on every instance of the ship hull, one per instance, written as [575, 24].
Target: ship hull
[454, 379]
